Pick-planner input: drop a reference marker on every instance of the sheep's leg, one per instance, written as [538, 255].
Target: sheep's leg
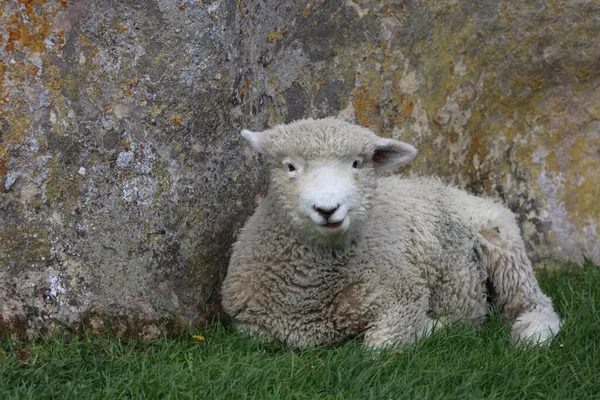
[514, 287]
[400, 324]
[253, 330]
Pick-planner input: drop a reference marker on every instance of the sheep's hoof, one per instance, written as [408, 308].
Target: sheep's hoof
[535, 328]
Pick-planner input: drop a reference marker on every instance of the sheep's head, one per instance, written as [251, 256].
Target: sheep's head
[323, 174]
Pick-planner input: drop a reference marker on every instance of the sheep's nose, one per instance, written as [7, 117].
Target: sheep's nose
[326, 212]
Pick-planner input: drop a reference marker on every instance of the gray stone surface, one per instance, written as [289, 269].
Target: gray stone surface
[123, 179]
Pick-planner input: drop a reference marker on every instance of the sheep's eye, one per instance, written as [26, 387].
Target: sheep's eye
[355, 164]
[291, 168]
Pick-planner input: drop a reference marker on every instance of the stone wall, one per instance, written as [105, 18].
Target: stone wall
[123, 179]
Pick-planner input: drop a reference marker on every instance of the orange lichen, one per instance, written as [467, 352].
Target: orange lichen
[383, 46]
[132, 82]
[246, 87]
[29, 34]
[3, 93]
[478, 150]
[3, 172]
[452, 137]
[29, 5]
[509, 13]
[60, 39]
[407, 108]
[86, 43]
[366, 107]
[583, 74]
[25, 28]
[274, 36]
[177, 119]
[55, 81]
[557, 6]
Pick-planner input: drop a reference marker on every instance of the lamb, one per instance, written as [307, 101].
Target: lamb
[338, 248]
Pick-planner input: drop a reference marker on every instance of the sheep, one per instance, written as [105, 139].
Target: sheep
[339, 248]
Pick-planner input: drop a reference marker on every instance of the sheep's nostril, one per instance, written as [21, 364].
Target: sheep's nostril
[326, 212]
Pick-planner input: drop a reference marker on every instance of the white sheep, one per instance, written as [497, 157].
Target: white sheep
[336, 249]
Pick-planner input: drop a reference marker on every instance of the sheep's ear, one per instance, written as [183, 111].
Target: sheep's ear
[256, 139]
[390, 154]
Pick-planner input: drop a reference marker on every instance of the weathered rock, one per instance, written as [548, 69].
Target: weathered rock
[123, 180]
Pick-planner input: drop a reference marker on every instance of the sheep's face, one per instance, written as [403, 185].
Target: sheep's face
[323, 174]
[324, 198]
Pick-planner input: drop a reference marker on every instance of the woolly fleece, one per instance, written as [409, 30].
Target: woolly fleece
[417, 251]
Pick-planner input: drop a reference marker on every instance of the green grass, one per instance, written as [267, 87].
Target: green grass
[460, 362]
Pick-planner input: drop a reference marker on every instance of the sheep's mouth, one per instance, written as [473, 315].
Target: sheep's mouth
[333, 225]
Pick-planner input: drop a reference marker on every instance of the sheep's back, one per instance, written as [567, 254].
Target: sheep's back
[414, 228]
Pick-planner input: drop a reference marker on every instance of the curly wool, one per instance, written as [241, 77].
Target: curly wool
[418, 251]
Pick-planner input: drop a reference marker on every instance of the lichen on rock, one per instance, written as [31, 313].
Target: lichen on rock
[123, 180]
